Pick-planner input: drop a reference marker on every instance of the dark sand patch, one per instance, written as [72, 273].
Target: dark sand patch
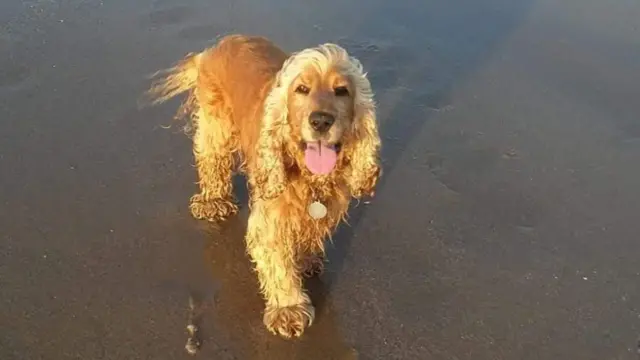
[170, 16]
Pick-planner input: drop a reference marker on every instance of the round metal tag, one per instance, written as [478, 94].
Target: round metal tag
[317, 210]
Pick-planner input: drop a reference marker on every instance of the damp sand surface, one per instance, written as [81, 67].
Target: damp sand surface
[505, 227]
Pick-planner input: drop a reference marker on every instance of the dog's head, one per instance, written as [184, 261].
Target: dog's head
[320, 113]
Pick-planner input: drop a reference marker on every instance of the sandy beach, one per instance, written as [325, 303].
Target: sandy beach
[505, 226]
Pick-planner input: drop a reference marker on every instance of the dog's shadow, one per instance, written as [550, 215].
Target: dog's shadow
[232, 324]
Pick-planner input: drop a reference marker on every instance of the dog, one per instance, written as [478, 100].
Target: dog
[302, 127]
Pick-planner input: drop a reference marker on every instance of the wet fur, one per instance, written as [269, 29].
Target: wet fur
[240, 103]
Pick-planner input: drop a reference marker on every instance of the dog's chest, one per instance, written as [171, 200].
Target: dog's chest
[333, 200]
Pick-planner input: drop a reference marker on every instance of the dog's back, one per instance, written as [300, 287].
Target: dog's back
[242, 69]
[229, 81]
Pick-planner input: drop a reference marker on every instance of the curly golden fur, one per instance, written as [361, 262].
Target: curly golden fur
[249, 98]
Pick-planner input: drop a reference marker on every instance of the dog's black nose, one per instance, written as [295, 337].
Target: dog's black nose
[321, 121]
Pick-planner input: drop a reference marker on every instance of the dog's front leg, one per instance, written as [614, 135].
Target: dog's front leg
[271, 246]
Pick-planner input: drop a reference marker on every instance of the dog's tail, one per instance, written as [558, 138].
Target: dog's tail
[173, 81]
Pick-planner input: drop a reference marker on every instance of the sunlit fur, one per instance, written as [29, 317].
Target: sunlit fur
[243, 102]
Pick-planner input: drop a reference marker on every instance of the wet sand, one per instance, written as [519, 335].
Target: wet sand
[505, 226]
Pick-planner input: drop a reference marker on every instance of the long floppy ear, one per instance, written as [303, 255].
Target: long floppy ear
[364, 155]
[268, 178]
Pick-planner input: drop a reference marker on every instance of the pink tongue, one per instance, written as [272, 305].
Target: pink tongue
[320, 158]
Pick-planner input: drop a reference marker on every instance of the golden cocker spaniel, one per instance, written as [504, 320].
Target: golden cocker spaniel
[303, 129]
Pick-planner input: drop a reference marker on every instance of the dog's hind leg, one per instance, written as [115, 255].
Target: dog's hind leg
[213, 148]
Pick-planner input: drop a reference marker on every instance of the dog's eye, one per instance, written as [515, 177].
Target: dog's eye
[341, 91]
[302, 89]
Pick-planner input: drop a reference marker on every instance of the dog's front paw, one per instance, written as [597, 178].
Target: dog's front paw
[214, 210]
[289, 321]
